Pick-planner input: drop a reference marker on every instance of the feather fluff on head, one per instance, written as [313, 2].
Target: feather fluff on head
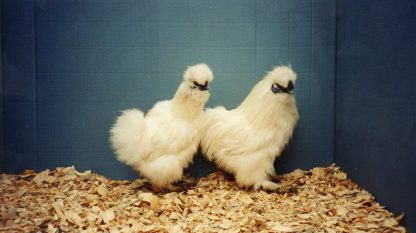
[261, 104]
[281, 75]
[199, 73]
[192, 94]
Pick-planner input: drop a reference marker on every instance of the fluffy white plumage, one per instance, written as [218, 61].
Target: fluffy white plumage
[246, 140]
[160, 144]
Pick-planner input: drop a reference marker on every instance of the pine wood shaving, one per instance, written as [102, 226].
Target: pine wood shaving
[153, 200]
[65, 200]
[102, 190]
[108, 215]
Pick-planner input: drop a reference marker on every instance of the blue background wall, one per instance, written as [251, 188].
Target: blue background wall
[2, 161]
[376, 101]
[71, 66]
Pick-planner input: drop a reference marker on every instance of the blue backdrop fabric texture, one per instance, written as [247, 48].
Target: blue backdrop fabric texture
[68, 67]
[375, 135]
[71, 66]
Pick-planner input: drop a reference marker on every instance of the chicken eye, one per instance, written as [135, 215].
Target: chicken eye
[202, 87]
[195, 85]
[275, 88]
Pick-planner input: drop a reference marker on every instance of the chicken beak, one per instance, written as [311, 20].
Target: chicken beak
[290, 86]
[203, 88]
[289, 89]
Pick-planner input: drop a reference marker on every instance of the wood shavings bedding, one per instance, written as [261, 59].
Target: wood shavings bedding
[65, 200]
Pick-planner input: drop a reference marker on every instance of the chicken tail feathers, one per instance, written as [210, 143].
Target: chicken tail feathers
[213, 119]
[126, 134]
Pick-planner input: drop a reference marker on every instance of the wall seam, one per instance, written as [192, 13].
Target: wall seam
[35, 60]
[35, 65]
[334, 155]
[255, 39]
[2, 151]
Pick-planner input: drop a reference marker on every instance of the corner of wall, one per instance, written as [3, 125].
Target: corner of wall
[334, 158]
[1, 97]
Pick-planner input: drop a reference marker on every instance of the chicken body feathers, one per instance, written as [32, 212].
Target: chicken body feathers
[246, 140]
[160, 144]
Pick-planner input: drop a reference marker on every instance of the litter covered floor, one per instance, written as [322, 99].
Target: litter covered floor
[65, 200]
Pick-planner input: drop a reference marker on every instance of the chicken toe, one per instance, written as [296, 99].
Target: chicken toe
[267, 186]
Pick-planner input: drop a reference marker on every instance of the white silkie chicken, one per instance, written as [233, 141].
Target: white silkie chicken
[246, 140]
[162, 143]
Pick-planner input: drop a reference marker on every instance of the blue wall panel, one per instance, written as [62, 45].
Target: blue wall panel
[18, 85]
[70, 66]
[376, 102]
[2, 158]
